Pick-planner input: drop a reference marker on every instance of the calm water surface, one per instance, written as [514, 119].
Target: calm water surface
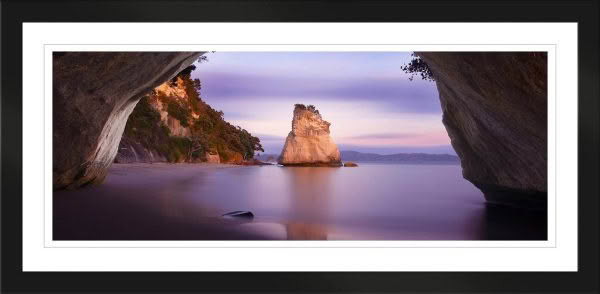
[372, 201]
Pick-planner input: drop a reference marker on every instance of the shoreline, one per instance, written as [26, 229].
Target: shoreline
[186, 201]
[140, 201]
[160, 163]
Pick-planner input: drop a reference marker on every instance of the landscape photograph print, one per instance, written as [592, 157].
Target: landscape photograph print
[299, 145]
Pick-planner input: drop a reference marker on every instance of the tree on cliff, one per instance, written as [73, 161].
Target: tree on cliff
[208, 130]
[197, 86]
[186, 72]
[417, 66]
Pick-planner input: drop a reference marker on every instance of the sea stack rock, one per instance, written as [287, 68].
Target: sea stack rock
[309, 143]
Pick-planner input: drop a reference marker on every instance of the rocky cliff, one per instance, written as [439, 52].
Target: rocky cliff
[174, 124]
[150, 127]
[494, 105]
[495, 111]
[309, 142]
[93, 94]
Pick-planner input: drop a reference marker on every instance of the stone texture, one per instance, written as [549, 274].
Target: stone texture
[309, 142]
[233, 158]
[93, 94]
[177, 92]
[131, 152]
[212, 158]
[495, 111]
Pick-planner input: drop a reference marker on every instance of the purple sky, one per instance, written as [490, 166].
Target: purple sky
[367, 98]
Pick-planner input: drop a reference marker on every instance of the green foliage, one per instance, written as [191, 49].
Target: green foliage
[178, 149]
[186, 72]
[178, 111]
[192, 89]
[210, 132]
[310, 108]
[213, 132]
[144, 126]
[417, 66]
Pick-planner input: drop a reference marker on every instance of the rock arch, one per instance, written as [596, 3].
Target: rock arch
[93, 94]
[494, 109]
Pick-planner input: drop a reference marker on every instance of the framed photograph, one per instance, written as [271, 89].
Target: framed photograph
[304, 146]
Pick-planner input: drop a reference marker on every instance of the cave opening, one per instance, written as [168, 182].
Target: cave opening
[459, 125]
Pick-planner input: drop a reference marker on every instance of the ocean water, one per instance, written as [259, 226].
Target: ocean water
[369, 202]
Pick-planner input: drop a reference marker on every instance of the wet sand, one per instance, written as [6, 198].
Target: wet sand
[129, 205]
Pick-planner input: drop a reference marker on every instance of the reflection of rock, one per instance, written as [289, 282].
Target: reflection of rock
[306, 231]
[495, 112]
[309, 142]
[500, 222]
[309, 206]
[93, 95]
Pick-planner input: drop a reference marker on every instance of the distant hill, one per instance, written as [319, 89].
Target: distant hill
[266, 157]
[399, 157]
[372, 157]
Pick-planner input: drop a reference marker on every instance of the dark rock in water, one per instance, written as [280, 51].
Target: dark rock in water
[495, 111]
[239, 213]
[93, 94]
[350, 164]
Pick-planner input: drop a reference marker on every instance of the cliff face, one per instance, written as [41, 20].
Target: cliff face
[494, 105]
[131, 148]
[132, 151]
[309, 142]
[93, 94]
[174, 124]
[495, 111]
[175, 90]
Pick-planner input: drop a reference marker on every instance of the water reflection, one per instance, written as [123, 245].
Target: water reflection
[175, 199]
[508, 223]
[372, 202]
[309, 205]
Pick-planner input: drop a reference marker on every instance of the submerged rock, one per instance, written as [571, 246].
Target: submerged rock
[495, 111]
[239, 213]
[309, 143]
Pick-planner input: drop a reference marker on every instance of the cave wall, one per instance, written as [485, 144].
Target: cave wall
[93, 95]
[494, 109]
[495, 112]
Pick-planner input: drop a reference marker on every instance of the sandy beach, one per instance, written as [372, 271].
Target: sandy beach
[136, 202]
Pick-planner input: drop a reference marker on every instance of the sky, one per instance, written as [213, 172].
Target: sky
[370, 102]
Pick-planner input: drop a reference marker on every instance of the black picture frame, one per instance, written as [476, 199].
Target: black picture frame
[585, 13]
